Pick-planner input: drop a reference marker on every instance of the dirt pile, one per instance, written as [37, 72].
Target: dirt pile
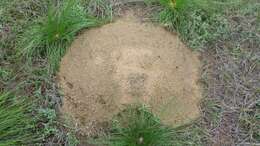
[129, 62]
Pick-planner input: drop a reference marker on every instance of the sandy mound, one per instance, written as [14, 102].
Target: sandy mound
[129, 62]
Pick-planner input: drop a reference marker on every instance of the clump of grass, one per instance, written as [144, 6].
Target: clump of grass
[196, 21]
[49, 36]
[16, 126]
[14, 17]
[174, 4]
[137, 126]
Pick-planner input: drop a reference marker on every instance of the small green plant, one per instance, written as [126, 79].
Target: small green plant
[136, 126]
[72, 139]
[16, 126]
[49, 36]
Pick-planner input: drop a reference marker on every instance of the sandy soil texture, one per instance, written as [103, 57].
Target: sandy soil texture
[128, 62]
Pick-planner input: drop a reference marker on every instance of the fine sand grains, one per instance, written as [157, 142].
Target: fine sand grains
[128, 62]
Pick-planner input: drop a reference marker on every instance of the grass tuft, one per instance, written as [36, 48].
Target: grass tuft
[136, 126]
[16, 126]
[196, 21]
[49, 36]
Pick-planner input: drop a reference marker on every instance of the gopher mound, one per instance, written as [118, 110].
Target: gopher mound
[129, 62]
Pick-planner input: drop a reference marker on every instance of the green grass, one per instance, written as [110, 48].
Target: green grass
[136, 126]
[50, 35]
[29, 28]
[197, 22]
[201, 22]
[16, 126]
[4, 74]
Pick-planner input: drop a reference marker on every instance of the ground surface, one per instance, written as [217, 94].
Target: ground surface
[128, 62]
[231, 102]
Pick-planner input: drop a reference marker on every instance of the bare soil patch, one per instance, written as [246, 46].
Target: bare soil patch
[129, 62]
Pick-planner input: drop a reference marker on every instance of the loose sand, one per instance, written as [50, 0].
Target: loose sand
[128, 62]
